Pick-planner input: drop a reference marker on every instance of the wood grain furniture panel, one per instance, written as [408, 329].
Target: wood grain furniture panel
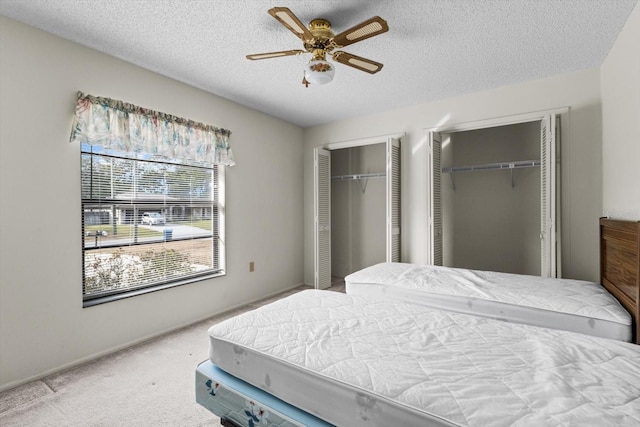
[620, 265]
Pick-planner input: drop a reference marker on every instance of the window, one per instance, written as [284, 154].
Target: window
[152, 190]
[147, 224]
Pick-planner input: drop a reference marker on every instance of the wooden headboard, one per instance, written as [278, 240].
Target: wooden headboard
[620, 265]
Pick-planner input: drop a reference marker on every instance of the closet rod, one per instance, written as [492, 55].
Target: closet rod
[360, 176]
[491, 166]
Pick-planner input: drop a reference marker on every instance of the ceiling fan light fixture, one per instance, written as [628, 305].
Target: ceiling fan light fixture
[319, 71]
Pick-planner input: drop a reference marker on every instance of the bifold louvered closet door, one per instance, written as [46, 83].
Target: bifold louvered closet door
[322, 204]
[322, 218]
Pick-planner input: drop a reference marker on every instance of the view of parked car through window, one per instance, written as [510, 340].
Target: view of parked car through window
[152, 218]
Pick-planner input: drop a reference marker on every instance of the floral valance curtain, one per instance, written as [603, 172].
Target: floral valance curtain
[120, 126]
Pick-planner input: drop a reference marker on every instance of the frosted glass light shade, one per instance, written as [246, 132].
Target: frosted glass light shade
[319, 72]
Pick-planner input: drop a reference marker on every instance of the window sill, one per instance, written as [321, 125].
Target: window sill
[90, 302]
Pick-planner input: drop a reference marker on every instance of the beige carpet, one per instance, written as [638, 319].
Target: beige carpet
[151, 384]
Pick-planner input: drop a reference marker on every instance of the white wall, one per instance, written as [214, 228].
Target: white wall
[581, 156]
[621, 124]
[43, 326]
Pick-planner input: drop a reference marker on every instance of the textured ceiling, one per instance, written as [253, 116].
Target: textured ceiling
[434, 48]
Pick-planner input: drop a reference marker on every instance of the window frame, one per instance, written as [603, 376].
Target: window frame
[218, 248]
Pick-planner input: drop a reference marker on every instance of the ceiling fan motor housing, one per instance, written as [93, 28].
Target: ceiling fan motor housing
[322, 34]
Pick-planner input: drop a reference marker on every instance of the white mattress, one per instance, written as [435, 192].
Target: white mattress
[572, 305]
[361, 361]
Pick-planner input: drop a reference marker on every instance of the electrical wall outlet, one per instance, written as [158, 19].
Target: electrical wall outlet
[251, 266]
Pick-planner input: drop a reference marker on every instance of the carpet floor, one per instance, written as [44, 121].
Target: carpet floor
[150, 384]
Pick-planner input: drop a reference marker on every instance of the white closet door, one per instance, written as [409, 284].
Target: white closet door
[393, 200]
[548, 196]
[434, 255]
[322, 218]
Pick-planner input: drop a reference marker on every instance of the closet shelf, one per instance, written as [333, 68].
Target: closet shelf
[491, 166]
[360, 176]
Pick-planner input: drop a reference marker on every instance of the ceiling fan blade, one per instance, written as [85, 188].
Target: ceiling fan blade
[364, 30]
[291, 21]
[274, 54]
[362, 64]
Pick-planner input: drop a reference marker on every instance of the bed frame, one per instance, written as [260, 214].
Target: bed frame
[620, 265]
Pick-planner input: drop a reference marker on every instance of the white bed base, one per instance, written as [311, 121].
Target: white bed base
[240, 404]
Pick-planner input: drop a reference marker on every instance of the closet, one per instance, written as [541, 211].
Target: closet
[356, 206]
[494, 197]
[358, 198]
[491, 199]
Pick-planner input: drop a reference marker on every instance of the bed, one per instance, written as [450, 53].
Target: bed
[606, 310]
[321, 358]
[351, 360]
[574, 305]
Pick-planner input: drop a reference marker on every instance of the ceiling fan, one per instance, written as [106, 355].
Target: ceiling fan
[319, 40]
